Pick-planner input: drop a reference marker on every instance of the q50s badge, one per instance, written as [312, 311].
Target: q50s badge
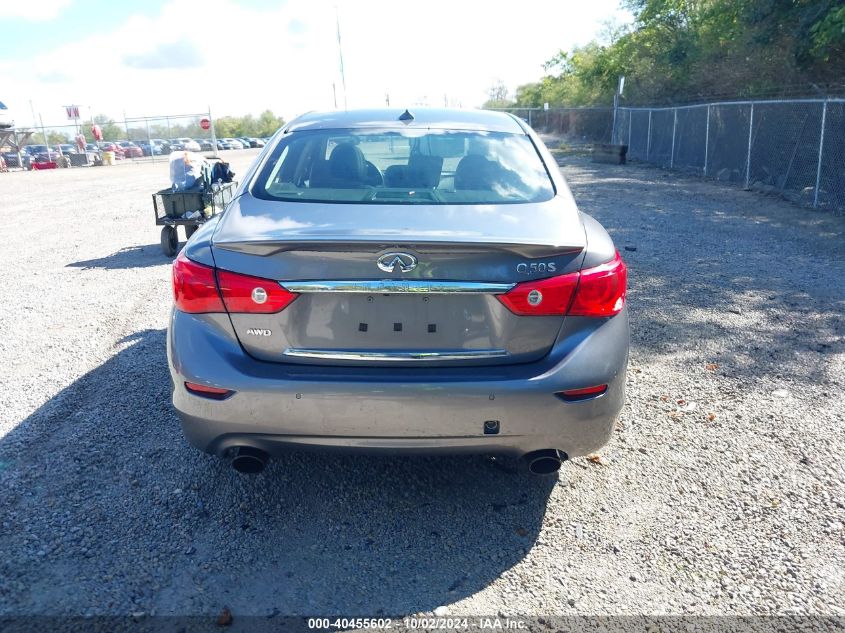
[525, 268]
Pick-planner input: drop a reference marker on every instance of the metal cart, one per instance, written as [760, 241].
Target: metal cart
[172, 207]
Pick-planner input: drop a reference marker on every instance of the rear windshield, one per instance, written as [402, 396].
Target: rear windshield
[404, 167]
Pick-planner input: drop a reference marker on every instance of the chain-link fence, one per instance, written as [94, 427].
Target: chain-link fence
[576, 125]
[792, 147]
[795, 147]
[146, 133]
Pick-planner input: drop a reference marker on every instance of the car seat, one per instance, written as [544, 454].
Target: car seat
[346, 169]
[475, 172]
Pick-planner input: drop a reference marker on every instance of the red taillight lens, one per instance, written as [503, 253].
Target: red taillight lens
[601, 292]
[195, 290]
[594, 292]
[194, 287]
[543, 297]
[242, 293]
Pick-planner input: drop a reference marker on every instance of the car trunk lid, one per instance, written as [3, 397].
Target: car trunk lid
[411, 293]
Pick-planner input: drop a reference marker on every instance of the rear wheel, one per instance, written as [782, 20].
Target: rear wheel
[190, 229]
[169, 240]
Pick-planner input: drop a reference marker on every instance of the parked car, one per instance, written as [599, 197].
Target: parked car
[176, 145]
[223, 144]
[164, 145]
[11, 158]
[92, 147]
[41, 153]
[42, 157]
[67, 148]
[235, 143]
[6, 119]
[149, 148]
[205, 144]
[130, 149]
[189, 144]
[247, 142]
[440, 294]
[256, 142]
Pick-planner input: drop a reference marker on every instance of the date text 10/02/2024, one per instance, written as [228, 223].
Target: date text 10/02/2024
[420, 623]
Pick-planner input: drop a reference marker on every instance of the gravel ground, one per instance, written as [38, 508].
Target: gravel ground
[721, 493]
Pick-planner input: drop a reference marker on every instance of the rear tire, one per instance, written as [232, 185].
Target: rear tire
[190, 229]
[169, 240]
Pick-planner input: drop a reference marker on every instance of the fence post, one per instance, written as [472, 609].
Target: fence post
[630, 123]
[748, 155]
[213, 133]
[819, 164]
[706, 140]
[150, 142]
[674, 126]
[648, 143]
[613, 125]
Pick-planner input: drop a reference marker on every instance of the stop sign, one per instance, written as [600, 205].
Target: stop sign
[205, 123]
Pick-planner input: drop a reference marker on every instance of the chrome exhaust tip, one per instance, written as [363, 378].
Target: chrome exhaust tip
[544, 462]
[249, 460]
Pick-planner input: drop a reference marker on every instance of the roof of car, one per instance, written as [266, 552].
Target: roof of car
[438, 118]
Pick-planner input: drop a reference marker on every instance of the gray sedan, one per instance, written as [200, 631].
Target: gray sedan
[393, 281]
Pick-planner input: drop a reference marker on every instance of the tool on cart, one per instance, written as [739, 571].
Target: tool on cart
[198, 192]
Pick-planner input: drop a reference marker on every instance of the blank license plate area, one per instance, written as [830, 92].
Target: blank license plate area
[404, 321]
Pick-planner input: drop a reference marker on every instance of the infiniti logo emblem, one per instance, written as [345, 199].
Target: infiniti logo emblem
[390, 261]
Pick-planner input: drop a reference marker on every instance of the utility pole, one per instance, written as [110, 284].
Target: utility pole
[44, 134]
[340, 54]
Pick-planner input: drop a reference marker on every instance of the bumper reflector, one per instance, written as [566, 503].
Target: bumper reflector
[215, 393]
[575, 395]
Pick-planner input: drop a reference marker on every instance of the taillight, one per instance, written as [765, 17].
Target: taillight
[594, 292]
[194, 287]
[544, 297]
[242, 293]
[198, 288]
[601, 291]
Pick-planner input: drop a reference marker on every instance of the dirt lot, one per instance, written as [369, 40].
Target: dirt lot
[722, 492]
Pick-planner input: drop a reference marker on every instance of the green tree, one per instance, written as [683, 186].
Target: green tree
[685, 50]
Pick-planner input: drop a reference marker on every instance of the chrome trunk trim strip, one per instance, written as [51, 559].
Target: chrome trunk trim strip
[329, 354]
[397, 286]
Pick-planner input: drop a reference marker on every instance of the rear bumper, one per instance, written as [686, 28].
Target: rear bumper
[279, 407]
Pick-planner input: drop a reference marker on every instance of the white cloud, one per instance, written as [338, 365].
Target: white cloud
[240, 60]
[181, 54]
[33, 10]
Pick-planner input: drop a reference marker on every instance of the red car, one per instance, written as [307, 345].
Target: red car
[130, 150]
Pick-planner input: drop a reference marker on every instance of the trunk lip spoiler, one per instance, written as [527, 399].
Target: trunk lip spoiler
[397, 286]
[268, 247]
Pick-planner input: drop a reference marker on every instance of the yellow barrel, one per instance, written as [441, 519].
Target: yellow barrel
[108, 158]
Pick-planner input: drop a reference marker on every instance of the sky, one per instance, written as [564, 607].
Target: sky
[158, 57]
